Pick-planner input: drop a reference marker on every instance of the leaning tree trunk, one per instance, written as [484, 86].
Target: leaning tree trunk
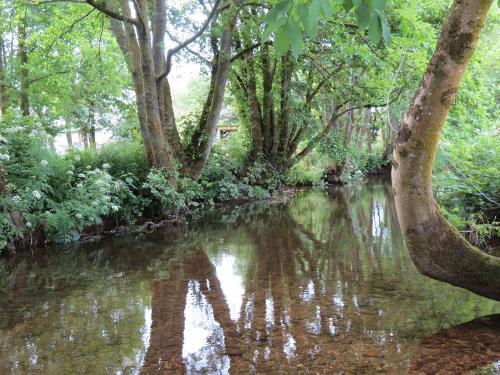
[437, 249]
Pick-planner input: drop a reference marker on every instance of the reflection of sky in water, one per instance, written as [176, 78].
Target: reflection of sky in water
[314, 325]
[269, 313]
[308, 292]
[145, 337]
[231, 284]
[377, 219]
[203, 336]
[289, 346]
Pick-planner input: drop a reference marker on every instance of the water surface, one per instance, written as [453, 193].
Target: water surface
[319, 285]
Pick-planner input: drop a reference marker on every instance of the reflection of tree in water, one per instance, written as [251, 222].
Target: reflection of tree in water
[327, 287]
[61, 307]
[193, 276]
[320, 285]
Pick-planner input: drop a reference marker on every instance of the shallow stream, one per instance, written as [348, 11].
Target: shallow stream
[321, 284]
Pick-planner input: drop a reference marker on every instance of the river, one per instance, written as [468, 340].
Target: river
[320, 284]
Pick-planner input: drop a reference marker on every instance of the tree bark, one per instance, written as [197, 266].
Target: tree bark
[91, 133]
[84, 135]
[3, 97]
[69, 138]
[161, 156]
[127, 41]
[23, 61]
[215, 100]
[437, 249]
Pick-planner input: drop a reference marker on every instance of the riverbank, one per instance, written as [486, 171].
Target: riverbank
[157, 219]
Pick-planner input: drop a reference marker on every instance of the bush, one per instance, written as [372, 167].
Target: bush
[158, 186]
[123, 157]
[52, 194]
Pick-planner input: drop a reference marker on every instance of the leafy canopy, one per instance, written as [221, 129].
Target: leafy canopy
[292, 21]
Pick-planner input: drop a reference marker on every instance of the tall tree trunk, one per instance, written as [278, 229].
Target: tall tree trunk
[92, 142]
[91, 133]
[69, 138]
[209, 128]
[267, 99]
[23, 61]
[161, 156]
[84, 135]
[3, 97]
[437, 249]
[368, 130]
[127, 41]
[284, 119]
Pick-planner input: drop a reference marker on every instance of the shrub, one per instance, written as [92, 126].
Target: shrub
[124, 158]
[158, 186]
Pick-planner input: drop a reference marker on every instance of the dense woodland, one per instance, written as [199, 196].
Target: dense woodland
[313, 92]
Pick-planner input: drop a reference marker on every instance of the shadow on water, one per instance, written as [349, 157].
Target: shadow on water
[321, 284]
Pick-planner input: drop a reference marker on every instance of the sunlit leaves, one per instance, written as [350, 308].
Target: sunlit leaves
[293, 20]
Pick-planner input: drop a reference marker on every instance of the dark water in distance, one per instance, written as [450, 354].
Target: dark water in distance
[319, 285]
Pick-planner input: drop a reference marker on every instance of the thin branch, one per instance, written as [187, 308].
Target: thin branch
[33, 80]
[246, 50]
[390, 91]
[103, 9]
[191, 51]
[173, 51]
[68, 30]
[467, 179]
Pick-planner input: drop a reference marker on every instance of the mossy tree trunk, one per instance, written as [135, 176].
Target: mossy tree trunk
[141, 38]
[437, 249]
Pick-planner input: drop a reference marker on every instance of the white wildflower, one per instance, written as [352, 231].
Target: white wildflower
[4, 157]
[16, 199]
[81, 175]
[28, 224]
[3, 139]
[70, 173]
[79, 216]
[36, 194]
[44, 163]
[16, 129]
[106, 166]
[114, 207]
[79, 185]
[77, 157]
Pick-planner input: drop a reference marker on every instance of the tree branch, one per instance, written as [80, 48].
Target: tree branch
[191, 51]
[101, 7]
[245, 50]
[173, 51]
[33, 80]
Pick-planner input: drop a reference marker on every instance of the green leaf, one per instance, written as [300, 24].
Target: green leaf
[363, 13]
[327, 8]
[314, 10]
[375, 28]
[296, 39]
[271, 27]
[277, 10]
[303, 13]
[378, 4]
[348, 4]
[281, 41]
[386, 30]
